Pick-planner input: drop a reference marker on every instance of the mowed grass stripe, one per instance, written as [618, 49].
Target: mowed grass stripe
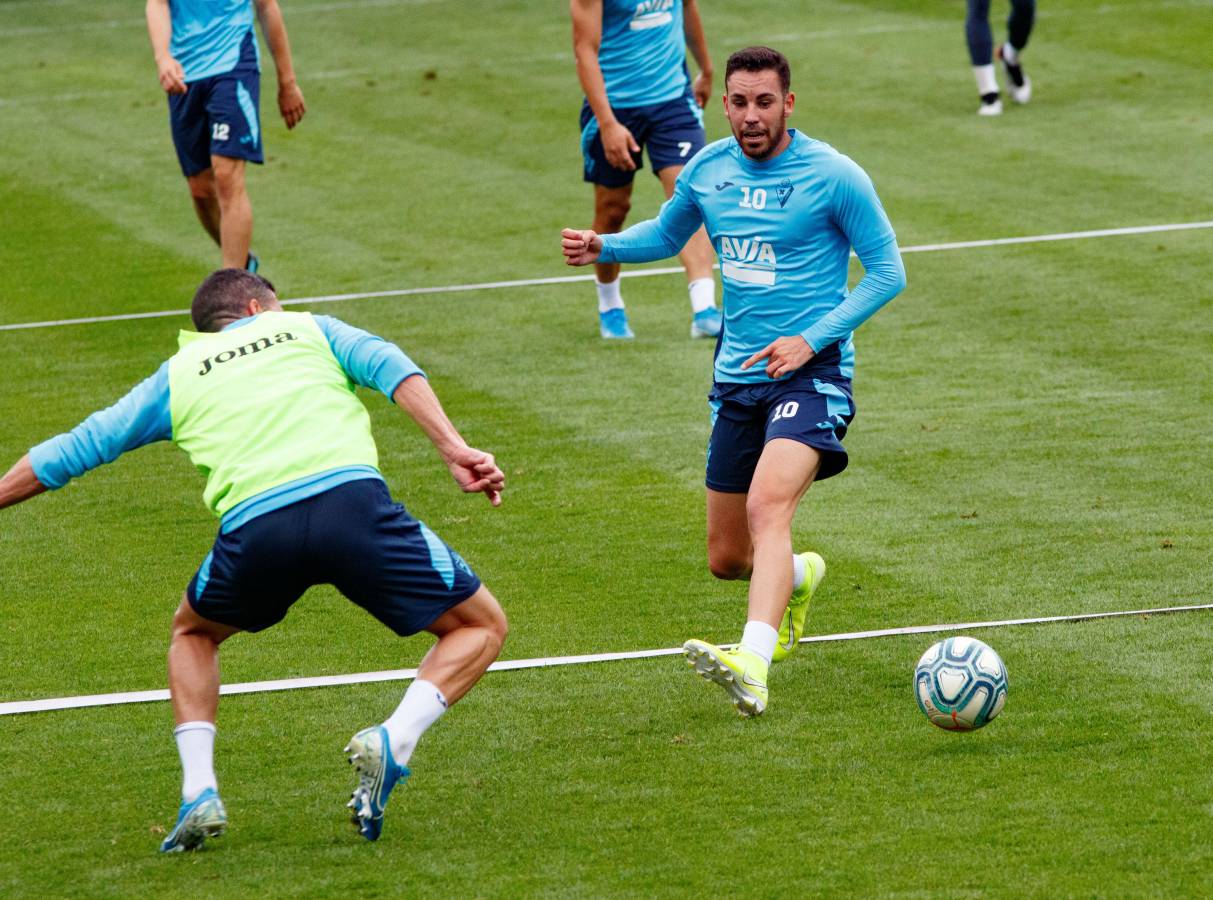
[512, 665]
[633, 273]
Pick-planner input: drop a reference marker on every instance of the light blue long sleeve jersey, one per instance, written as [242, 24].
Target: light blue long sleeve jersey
[143, 416]
[783, 229]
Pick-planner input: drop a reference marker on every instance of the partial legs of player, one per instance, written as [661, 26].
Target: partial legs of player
[210, 201]
[697, 258]
[470, 637]
[981, 53]
[750, 537]
[193, 677]
[611, 206]
[235, 211]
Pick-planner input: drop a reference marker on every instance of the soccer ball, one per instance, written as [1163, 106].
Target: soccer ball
[960, 683]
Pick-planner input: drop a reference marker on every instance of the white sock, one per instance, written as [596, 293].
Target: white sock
[799, 571]
[986, 82]
[196, 744]
[421, 707]
[1010, 54]
[759, 638]
[703, 294]
[609, 296]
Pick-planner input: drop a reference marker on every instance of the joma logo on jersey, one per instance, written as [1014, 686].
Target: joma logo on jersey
[244, 350]
[751, 260]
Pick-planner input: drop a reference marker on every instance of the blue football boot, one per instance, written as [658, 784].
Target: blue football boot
[202, 817]
[371, 755]
[613, 325]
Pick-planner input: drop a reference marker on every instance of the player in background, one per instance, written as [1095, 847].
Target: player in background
[631, 60]
[784, 211]
[209, 64]
[263, 403]
[982, 53]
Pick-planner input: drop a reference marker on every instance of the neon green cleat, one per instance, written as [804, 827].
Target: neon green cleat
[791, 629]
[742, 673]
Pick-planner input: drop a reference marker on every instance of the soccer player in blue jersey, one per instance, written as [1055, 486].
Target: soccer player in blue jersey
[631, 60]
[982, 52]
[263, 403]
[208, 63]
[784, 211]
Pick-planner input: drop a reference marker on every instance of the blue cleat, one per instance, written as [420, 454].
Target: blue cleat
[252, 264]
[202, 817]
[613, 324]
[707, 323]
[371, 755]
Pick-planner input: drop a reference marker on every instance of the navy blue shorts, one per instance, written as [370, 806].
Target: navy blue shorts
[353, 537]
[672, 132]
[218, 116]
[812, 410]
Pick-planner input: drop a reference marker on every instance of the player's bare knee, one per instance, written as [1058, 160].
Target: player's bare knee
[498, 628]
[728, 565]
[766, 514]
[229, 181]
[612, 213]
[202, 186]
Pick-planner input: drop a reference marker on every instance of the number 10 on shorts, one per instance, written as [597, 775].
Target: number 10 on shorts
[786, 410]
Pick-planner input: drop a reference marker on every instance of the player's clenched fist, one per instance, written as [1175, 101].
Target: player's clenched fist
[580, 247]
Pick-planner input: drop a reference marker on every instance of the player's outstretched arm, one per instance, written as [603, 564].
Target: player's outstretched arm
[580, 248]
[290, 97]
[20, 483]
[160, 30]
[475, 471]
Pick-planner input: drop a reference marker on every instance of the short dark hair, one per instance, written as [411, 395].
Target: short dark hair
[222, 297]
[760, 59]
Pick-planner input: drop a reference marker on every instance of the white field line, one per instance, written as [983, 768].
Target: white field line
[634, 273]
[291, 684]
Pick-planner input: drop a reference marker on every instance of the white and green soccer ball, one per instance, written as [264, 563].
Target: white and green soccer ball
[960, 683]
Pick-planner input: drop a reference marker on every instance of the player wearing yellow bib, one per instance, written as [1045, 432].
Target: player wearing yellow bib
[263, 403]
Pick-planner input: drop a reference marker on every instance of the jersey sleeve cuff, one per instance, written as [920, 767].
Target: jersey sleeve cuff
[47, 461]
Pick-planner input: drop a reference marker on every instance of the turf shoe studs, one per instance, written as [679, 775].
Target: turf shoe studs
[613, 325]
[707, 323]
[991, 105]
[202, 817]
[1019, 85]
[791, 628]
[741, 673]
[371, 756]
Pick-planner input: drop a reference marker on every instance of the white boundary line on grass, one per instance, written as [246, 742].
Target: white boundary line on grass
[291, 684]
[642, 273]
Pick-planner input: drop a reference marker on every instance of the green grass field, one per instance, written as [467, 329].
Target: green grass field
[1032, 440]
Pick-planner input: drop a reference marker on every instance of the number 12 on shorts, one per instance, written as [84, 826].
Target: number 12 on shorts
[786, 410]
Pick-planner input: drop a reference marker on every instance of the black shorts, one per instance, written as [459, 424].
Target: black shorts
[219, 116]
[812, 410]
[670, 132]
[353, 537]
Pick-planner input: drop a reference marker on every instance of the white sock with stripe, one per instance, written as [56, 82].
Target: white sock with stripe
[986, 82]
[196, 745]
[422, 706]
